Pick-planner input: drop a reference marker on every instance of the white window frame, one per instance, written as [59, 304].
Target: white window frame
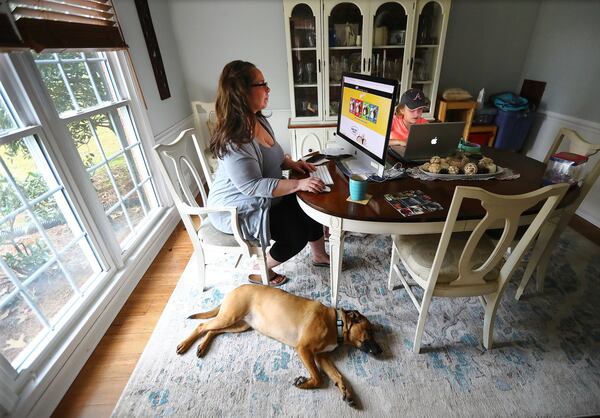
[80, 329]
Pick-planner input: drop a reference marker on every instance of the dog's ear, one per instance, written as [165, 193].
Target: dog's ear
[354, 316]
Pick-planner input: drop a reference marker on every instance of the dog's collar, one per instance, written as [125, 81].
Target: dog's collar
[339, 325]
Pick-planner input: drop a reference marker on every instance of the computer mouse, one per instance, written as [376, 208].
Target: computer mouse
[326, 189]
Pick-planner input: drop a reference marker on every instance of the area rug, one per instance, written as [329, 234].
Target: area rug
[546, 360]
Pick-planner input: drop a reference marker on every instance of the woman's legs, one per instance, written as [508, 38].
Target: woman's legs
[291, 229]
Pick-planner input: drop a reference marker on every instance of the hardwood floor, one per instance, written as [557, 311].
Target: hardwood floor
[98, 386]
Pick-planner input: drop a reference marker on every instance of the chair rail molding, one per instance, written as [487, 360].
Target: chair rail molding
[168, 134]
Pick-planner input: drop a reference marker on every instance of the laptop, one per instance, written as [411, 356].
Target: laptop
[429, 139]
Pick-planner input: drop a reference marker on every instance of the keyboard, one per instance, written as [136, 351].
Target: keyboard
[322, 173]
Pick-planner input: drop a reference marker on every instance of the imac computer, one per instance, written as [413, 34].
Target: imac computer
[364, 121]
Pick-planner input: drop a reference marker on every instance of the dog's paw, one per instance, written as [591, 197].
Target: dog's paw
[181, 348]
[299, 381]
[349, 399]
[201, 351]
[346, 395]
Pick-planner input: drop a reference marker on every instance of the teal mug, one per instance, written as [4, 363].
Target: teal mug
[358, 187]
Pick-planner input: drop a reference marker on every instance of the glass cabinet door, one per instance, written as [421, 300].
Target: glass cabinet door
[343, 40]
[427, 48]
[305, 51]
[389, 34]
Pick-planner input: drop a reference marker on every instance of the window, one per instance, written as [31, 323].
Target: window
[77, 199]
[46, 258]
[84, 94]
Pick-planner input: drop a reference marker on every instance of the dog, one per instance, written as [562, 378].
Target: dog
[313, 329]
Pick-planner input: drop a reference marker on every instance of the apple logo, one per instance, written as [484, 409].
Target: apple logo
[434, 141]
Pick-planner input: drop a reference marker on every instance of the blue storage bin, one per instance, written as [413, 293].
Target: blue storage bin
[513, 128]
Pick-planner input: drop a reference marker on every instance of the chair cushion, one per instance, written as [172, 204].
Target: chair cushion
[212, 236]
[418, 252]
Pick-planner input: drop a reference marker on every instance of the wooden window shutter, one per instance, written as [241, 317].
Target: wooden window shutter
[66, 24]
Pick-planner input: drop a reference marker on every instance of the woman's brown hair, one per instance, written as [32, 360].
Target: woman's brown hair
[235, 120]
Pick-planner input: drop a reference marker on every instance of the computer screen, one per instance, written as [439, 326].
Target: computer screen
[366, 111]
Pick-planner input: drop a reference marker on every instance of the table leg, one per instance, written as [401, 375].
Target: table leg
[336, 253]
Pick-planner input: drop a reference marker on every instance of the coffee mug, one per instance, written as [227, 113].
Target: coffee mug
[358, 187]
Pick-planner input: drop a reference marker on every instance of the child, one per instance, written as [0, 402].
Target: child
[412, 104]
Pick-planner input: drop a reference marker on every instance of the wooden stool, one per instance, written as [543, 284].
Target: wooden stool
[491, 129]
[457, 111]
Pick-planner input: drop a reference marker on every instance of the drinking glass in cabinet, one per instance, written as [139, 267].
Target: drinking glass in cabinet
[310, 77]
[299, 73]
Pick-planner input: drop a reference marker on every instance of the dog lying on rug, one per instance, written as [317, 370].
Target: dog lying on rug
[310, 327]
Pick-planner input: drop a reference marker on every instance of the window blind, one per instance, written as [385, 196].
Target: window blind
[66, 24]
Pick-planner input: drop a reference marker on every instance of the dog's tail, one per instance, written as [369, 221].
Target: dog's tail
[204, 315]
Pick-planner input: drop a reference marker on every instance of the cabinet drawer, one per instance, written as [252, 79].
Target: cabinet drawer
[307, 140]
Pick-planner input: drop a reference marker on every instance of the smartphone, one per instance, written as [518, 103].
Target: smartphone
[314, 158]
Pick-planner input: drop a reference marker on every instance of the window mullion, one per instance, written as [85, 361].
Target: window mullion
[113, 182]
[60, 198]
[67, 84]
[128, 83]
[38, 224]
[92, 82]
[59, 144]
[25, 293]
[130, 164]
[18, 134]
[70, 117]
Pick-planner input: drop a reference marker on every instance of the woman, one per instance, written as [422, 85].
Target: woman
[412, 104]
[249, 176]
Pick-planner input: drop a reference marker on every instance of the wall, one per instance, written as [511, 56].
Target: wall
[163, 114]
[211, 33]
[564, 53]
[486, 44]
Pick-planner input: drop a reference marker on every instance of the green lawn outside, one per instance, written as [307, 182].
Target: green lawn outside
[21, 166]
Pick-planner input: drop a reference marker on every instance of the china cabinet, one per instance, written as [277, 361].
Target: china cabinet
[401, 39]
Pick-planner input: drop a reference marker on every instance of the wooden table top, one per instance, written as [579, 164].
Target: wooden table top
[379, 210]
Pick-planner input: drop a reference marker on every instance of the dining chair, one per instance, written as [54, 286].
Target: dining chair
[174, 161]
[464, 264]
[205, 119]
[558, 221]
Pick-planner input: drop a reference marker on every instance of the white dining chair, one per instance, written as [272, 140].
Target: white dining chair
[558, 221]
[461, 264]
[175, 159]
[205, 119]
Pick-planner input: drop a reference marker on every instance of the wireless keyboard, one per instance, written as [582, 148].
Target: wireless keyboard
[322, 173]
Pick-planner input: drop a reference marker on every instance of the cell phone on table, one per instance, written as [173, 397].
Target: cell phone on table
[314, 158]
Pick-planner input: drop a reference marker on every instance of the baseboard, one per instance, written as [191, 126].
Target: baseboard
[52, 384]
[585, 228]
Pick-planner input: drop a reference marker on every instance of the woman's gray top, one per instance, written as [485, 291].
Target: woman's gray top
[246, 178]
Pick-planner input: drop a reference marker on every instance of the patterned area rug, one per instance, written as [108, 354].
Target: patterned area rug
[546, 359]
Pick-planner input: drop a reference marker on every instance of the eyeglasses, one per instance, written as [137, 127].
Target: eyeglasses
[263, 84]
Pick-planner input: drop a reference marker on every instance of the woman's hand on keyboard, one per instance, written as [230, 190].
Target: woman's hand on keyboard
[300, 166]
[311, 184]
